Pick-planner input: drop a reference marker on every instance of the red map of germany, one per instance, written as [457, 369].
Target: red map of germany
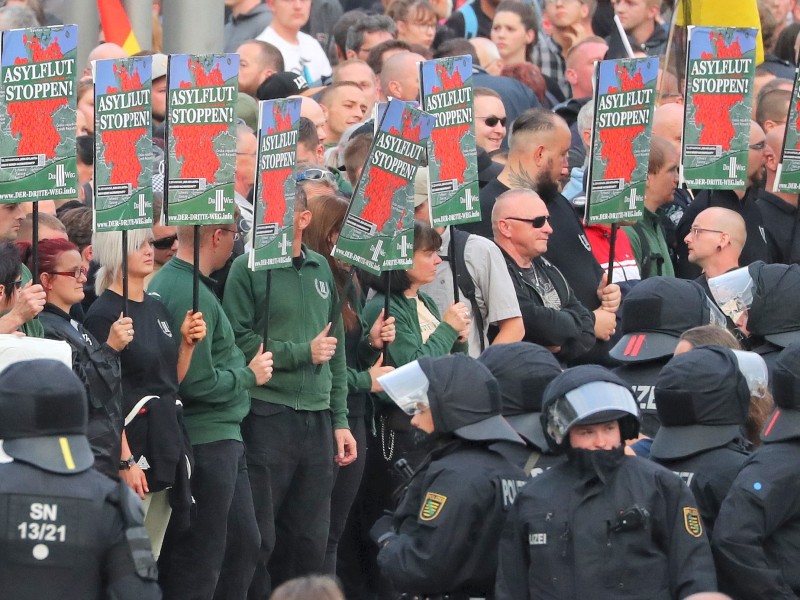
[32, 120]
[616, 147]
[194, 144]
[712, 110]
[446, 147]
[120, 145]
[382, 184]
[273, 181]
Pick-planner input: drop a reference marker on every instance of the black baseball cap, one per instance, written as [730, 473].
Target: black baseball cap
[465, 400]
[784, 422]
[523, 371]
[702, 399]
[281, 85]
[43, 416]
[656, 312]
[775, 312]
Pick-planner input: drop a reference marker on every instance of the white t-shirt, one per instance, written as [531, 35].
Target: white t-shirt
[306, 58]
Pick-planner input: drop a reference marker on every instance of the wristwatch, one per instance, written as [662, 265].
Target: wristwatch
[124, 465]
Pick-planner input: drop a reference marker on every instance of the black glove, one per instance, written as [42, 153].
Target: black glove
[382, 531]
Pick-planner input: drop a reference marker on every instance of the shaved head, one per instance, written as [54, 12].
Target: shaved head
[728, 221]
[400, 76]
[486, 50]
[668, 123]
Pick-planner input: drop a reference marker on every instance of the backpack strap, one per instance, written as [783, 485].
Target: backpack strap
[465, 282]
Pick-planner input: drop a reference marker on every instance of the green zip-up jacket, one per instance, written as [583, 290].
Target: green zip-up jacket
[303, 300]
[656, 240]
[214, 391]
[407, 345]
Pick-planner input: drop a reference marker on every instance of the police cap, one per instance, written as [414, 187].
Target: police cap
[702, 399]
[656, 312]
[43, 415]
[587, 395]
[523, 371]
[775, 313]
[784, 423]
[464, 398]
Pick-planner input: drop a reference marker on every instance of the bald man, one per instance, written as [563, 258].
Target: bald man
[668, 123]
[715, 241]
[552, 315]
[400, 77]
[310, 109]
[669, 89]
[360, 73]
[537, 160]
[740, 201]
[103, 51]
[487, 52]
[779, 209]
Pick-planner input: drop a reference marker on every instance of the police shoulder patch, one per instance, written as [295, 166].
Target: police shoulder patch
[431, 506]
[692, 522]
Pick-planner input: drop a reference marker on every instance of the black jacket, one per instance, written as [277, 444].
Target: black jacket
[782, 224]
[757, 537]
[449, 522]
[75, 537]
[98, 367]
[604, 526]
[572, 327]
[709, 476]
[655, 45]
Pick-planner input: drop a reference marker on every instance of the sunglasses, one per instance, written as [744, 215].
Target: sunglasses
[77, 273]
[492, 121]
[164, 243]
[314, 175]
[537, 222]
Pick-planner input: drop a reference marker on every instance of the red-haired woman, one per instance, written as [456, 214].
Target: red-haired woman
[96, 363]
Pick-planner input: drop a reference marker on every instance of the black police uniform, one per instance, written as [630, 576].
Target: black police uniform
[703, 401]
[602, 525]
[70, 532]
[447, 527]
[642, 379]
[756, 541]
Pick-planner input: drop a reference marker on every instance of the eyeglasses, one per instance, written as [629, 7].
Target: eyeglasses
[537, 222]
[758, 146]
[492, 121]
[424, 26]
[77, 273]
[314, 175]
[164, 243]
[235, 233]
[695, 231]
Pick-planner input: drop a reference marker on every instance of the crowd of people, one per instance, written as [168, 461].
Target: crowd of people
[512, 417]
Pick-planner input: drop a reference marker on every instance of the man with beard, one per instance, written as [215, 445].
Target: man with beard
[740, 201]
[537, 159]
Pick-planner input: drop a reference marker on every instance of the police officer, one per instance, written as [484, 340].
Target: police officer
[703, 399]
[756, 540]
[71, 532]
[523, 371]
[442, 540]
[602, 525]
[654, 315]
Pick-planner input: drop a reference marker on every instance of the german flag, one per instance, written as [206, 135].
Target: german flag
[116, 26]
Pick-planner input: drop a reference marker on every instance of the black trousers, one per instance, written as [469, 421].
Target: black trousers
[290, 463]
[216, 556]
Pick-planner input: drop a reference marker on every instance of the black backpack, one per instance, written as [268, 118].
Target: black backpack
[465, 283]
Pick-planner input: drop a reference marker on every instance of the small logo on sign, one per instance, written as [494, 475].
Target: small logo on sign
[431, 506]
[692, 522]
[164, 327]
